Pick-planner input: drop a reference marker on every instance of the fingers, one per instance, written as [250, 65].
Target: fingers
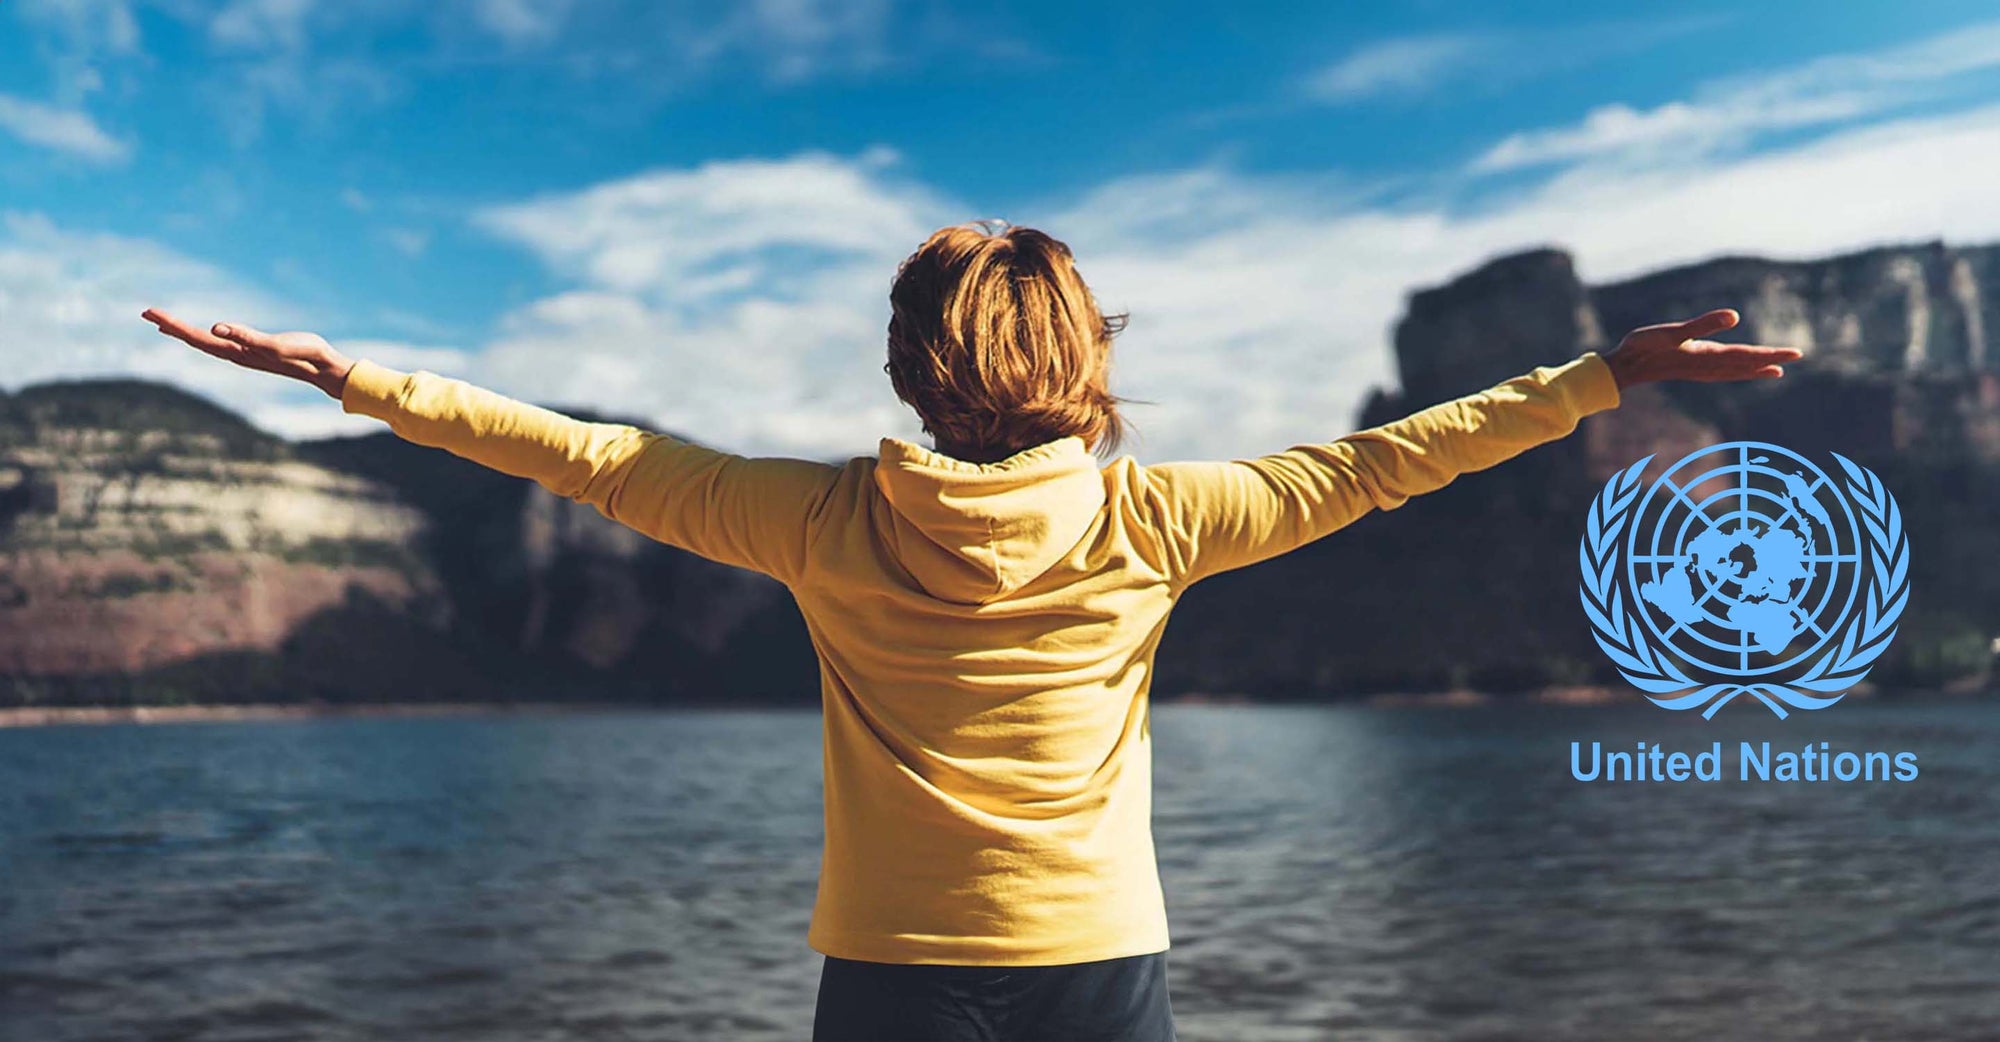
[246, 336]
[296, 355]
[1739, 354]
[174, 326]
[1711, 323]
[186, 333]
[1716, 362]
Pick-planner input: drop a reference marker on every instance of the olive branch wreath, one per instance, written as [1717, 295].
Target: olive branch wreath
[1622, 634]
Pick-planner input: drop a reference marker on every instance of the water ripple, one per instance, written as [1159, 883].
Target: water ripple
[1375, 874]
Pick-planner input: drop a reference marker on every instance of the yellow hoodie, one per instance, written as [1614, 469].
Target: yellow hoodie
[985, 631]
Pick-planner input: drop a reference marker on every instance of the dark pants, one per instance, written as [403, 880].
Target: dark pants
[1116, 1000]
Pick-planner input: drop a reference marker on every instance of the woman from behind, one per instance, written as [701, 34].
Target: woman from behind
[986, 610]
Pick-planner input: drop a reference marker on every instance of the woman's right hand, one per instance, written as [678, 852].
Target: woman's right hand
[1677, 351]
[301, 356]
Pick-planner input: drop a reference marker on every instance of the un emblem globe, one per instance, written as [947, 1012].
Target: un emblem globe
[1744, 558]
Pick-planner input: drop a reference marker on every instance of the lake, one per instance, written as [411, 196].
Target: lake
[1351, 873]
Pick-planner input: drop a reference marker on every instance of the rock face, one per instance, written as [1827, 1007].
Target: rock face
[142, 526]
[1498, 321]
[1901, 311]
[1899, 348]
[1468, 586]
[154, 547]
[583, 606]
[1900, 354]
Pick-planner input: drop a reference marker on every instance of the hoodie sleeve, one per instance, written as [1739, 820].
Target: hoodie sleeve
[1220, 516]
[752, 513]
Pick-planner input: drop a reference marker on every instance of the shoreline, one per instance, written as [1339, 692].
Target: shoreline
[67, 716]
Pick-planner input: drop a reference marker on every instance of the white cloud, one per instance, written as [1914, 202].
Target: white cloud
[801, 39]
[1826, 91]
[521, 21]
[743, 301]
[62, 130]
[681, 230]
[1907, 180]
[1485, 59]
[1619, 130]
[79, 40]
[292, 57]
[87, 25]
[262, 25]
[1407, 64]
[410, 242]
[449, 361]
[1271, 329]
[326, 61]
[660, 47]
[70, 304]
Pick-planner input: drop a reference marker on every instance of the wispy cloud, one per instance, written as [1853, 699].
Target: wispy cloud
[800, 39]
[522, 21]
[786, 43]
[71, 299]
[410, 242]
[1731, 111]
[1406, 65]
[718, 224]
[1270, 330]
[1620, 131]
[69, 131]
[744, 300]
[262, 25]
[324, 60]
[85, 27]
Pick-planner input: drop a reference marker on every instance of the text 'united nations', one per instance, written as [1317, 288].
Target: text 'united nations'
[1755, 761]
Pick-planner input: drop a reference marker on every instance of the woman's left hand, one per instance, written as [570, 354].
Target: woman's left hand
[301, 356]
[1680, 351]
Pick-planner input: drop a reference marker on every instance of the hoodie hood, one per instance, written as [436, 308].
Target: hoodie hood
[976, 532]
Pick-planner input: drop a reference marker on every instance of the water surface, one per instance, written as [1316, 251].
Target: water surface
[1349, 873]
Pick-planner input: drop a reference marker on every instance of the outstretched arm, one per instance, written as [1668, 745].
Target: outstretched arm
[1221, 516]
[753, 513]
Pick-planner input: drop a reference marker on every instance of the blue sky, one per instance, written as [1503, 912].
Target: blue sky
[689, 213]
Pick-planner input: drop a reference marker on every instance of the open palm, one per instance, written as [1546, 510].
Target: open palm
[1680, 351]
[301, 356]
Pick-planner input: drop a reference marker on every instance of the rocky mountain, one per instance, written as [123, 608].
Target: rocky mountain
[156, 548]
[1901, 373]
[143, 527]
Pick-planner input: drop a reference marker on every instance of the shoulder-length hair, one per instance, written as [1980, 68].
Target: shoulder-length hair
[998, 344]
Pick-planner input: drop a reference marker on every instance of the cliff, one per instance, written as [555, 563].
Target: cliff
[154, 547]
[587, 605]
[1901, 372]
[143, 526]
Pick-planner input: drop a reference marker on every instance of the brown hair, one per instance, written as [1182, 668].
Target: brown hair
[998, 345]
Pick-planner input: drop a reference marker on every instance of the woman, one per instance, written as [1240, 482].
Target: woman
[986, 611]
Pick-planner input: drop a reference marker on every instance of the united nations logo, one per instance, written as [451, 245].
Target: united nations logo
[1744, 569]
